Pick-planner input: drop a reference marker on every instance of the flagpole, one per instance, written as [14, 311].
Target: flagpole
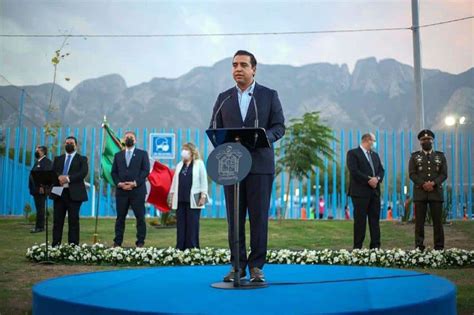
[97, 209]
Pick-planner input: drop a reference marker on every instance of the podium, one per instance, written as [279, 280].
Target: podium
[228, 164]
[46, 180]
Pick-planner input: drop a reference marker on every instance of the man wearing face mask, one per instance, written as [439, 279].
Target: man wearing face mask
[72, 169]
[428, 170]
[130, 170]
[366, 175]
[42, 164]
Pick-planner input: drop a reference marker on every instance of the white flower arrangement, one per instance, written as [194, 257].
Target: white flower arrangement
[100, 254]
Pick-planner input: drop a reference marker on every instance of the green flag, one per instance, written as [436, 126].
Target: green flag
[112, 146]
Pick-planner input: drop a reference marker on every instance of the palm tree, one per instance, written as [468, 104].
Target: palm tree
[308, 144]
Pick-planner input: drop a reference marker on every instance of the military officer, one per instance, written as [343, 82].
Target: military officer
[428, 170]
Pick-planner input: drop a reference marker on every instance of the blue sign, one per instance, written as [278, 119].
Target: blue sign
[162, 145]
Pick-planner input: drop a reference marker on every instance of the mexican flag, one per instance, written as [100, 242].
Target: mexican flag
[112, 145]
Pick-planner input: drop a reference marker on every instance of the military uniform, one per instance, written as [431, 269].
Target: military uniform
[428, 166]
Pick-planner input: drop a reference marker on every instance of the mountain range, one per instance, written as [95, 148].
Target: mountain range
[376, 95]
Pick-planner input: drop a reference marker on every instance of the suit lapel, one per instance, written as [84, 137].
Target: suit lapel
[73, 162]
[236, 106]
[250, 116]
[364, 157]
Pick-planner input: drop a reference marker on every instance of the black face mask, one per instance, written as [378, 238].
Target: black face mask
[427, 146]
[69, 148]
[129, 142]
[37, 155]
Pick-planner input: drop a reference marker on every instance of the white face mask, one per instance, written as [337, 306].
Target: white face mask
[185, 155]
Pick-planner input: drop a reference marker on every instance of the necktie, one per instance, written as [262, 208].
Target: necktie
[371, 163]
[66, 165]
[128, 157]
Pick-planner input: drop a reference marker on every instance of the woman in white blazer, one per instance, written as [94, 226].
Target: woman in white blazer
[188, 195]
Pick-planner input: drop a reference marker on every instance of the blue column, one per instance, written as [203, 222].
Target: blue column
[179, 144]
[308, 194]
[402, 171]
[60, 141]
[349, 202]
[23, 178]
[32, 160]
[84, 142]
[445, 188]
[334, 179]
[394, 176]
[6, 172]
[282, 182]
[300, 197]
[453, 177]
[469, 177]
[101, 205]
[387, 175]
[316, 194]
[15, 183]
[326, 184]
[461, 176]
[188, 135]
[92, 166]
[170, 161]
[343, 173]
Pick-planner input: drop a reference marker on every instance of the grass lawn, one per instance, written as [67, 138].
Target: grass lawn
[17, 275]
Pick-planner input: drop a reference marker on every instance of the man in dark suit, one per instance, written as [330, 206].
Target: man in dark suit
[42, 164]
[130, 170]
[428, 170]
[366, 175]
[235, 108]
[72, 169]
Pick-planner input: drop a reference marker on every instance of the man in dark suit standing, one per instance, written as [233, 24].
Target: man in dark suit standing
[42, 164]
[366, 175]
[235, 108]
[428, 170]
[72, 169]
[130, 170]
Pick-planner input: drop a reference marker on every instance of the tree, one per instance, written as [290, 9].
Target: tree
[307, 143]
[51, 127]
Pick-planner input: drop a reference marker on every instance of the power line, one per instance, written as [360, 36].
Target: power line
[17, 110]
[233, 34]
[26, 93]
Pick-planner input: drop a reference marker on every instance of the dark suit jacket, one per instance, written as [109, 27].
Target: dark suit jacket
[44, 165]
[270, 117]
[137, 171]
[78, 171]
[360, 171]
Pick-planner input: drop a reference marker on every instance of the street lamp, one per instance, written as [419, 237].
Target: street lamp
[456, 122]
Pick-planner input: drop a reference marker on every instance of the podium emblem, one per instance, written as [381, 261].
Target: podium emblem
[229, 163]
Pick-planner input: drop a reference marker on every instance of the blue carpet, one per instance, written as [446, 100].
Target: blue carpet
[186, 290]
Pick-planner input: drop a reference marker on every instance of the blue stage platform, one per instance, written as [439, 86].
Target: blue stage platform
[293, 289]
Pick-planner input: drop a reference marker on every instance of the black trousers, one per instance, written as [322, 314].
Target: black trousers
[63, 205]
[436, 208]
[255, 192]
[187, 226]
[137, 203]
[39, 205]
[367, 208]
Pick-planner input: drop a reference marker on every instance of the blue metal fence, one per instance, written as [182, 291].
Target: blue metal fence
[330, 184]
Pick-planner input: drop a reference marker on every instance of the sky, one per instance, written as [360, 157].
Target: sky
[27, 61]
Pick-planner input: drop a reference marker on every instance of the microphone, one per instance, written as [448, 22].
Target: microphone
[256, 111]
[214, 121]
[256, 119]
